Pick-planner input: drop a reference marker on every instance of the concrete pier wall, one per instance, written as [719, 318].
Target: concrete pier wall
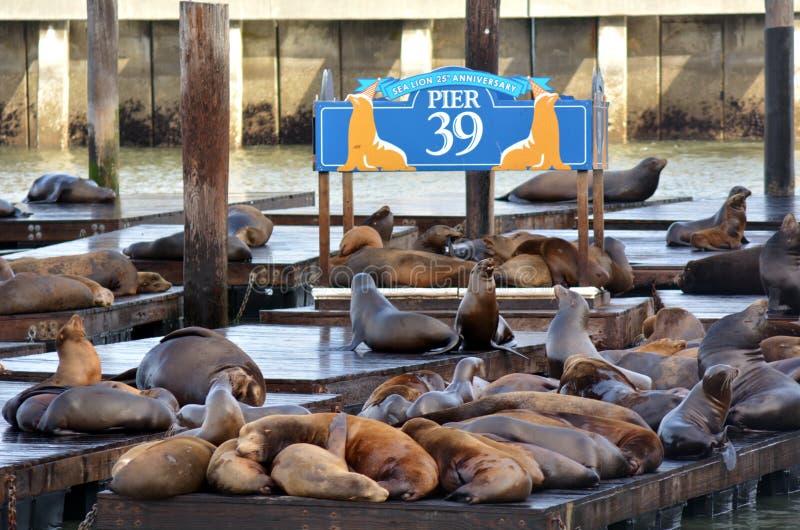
[671, 75]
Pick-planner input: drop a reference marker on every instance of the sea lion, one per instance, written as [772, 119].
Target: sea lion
[561, 257]
[696, 427]
[665, 347]
[381, 220]
[621, 280]
[59, 187]
[780, 347]
[162, 469]
[524, 270]
[597, 379]
[378, 324]
[187, 361]
[780, 267]
[98, 408]
[419, 380]
[230, 473]
[679, 233]
[567, 335]
[502, 248]
[393, 409]
[357, 238]
[727, 235]
[469, 470]
[673, 323]
[470, 250]
[31, 410]
[666, 372]
[383, 453]
[9, 210]
[307, 470]
[110, 268]
[223, 418]
[790, 367]
[437, 239]
[734, 272]
[521, 382]
[460, 390]
[171, 248]
[192, 415]
[393, 267]
[151, 282]
[249, 225]
[630, 185]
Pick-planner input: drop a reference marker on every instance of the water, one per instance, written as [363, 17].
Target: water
[779, 511]
[699, 169]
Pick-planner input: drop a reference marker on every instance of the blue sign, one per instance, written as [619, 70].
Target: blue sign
[453, 119]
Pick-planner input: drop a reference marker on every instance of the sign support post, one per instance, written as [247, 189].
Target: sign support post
[324, 215]
[599, 155]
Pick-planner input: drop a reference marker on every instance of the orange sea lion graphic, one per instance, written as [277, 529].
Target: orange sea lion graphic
[365, 149]
[541, 149]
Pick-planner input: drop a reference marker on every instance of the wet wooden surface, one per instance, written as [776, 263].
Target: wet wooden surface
[15, 349]
[763, 213]
[304, 359]
[102, 324]
[612, 501]
[43, 463]
[65, 222]
[708, 308]
[450, 209]
[289, 257]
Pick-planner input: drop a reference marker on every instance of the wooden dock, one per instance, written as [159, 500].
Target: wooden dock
[304, 359]
[289, 258]
[763, 213]
[650, 257]
[51, 223]
[102, 324]
[16, 349]
[40, 463]
[708, 308]
[674, 483]
[450, 209]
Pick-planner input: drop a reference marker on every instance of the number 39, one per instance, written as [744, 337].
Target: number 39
[474, 136]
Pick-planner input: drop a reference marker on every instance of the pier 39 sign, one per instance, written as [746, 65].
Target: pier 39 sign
[453, 119]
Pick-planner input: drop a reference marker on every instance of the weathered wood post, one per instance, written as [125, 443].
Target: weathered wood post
[481, 54]
[103, 92]
[599, 156]
[205, 126]
[779, 98]
[324, 214]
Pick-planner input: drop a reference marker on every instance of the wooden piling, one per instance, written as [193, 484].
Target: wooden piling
[779, 98]
[347, 201]
[482, 46]
[205, 126]
[324, 227]
[103, 92]
[583, 226]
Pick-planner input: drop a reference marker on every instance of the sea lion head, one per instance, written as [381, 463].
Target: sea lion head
[151, 282]
[739, 189]
[415, 426]
[362, 283]
[737, 201]
[440, 235]
[481, 278]
[582, 373]
[790, 231]
[718, 382]
[469, 367]
[654, 164]
[381, 212]
[570, 299]
[72, 330]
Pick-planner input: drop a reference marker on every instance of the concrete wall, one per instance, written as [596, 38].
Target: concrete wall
[666, 76]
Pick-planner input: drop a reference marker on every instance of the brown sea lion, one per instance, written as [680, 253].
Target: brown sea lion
[170, 248]
[521, 382]
[696, 427]
[469, 470]
[780, 267]
[437, 239]
[28, 292]
[727, 235]
[162, 469]
[249, 224]
[187, 361]
[381, 220]
[223, 418]
[460, 390]
[629, 185]
[524, 270]
[680, 232]
[151, 282]
[78, 362]
[621, 271]
[6, 272]
[60, 187]
[597, 379]
[419, 380]
[525, 460]
[561, 257]
[307, 470]
[98, 408]
[780, 347]
[357, 238]
[504, 247]
[673, 323]
[734, 272]
[664, 347]
[378, 324]
[230, 473]
[383, 453]
[394, 267]
[666, 372]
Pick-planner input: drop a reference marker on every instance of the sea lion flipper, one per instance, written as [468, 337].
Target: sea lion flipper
[507, 349]
[355, 343]
[744, 240]
[337, 436]
[454, 342]
[728, 456]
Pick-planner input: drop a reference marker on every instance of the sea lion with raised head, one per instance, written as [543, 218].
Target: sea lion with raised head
[193, 415]
[249, 225]
[230, 473]
[679, 233]
[629, 185]
[460, 390]
[382, 327]
[437, 239]
[621, 280]
[59, 187]
[729, 234]
[223, 418]
[469, 470]
[780, 267]
[170, 248]
[381, 220]
[383, 453]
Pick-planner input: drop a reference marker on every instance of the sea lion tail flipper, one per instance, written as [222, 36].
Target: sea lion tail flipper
[503, 197]
[728, 456]
[744, 240]
[357, 340]
[454, 342]
[337, 436]
[507, 349]
[127, 377]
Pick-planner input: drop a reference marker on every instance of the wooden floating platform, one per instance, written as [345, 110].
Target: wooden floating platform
[102, 324]
[65, 222]
[763, 213]
[450, 209]
[614, 325]
[650, 257]
[290, 256]
[42, 464]
[304, 359]
[708, 307]
[612, 501]
[15, 349]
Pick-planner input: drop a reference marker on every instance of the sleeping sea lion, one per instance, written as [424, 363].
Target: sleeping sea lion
[59, 187]
[230, 473]
[357, 238]
[734, 272]
[171, 248]
[249, 225]
[437, 239]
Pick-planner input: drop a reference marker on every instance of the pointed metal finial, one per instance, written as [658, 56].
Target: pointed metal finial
[327, 93]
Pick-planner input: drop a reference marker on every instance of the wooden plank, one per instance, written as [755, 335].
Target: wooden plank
[304, 359]
[708, 308]
[16, 349]
[612, 501]
[289, 257]
[65, 222]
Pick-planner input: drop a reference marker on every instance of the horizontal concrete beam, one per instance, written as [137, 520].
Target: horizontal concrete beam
[372, 10]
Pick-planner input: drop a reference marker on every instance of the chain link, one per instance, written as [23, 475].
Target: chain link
[251, 283]
[90, 519]
[11, 499]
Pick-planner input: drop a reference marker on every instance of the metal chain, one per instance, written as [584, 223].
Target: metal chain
[89, 520]
[251, 282]
[11, 497]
